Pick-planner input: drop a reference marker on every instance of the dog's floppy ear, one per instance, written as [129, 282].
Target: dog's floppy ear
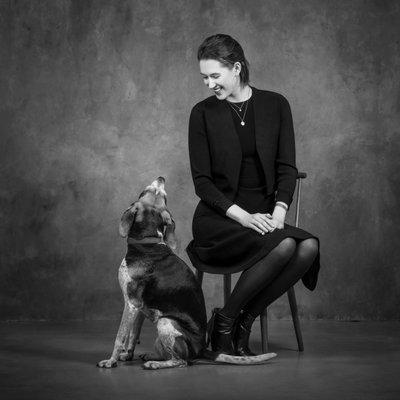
[169, 234]
[127, 219]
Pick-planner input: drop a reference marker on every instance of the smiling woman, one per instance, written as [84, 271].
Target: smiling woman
[221, 66]
[221, 80]
[242, 158]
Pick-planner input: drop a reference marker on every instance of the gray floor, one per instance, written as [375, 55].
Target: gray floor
[342, 360]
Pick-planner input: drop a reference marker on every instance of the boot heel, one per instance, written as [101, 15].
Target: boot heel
[220, 329]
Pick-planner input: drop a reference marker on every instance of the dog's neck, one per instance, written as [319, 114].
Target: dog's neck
[154, 240]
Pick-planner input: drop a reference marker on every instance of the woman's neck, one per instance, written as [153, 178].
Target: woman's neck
[242, 93]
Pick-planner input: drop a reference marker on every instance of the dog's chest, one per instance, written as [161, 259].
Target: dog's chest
[133, 279]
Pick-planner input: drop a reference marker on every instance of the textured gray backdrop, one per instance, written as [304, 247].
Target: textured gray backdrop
[95, 100]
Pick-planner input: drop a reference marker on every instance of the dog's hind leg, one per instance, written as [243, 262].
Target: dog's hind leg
[170, 357]
[170, 346]
[157, 355]
[132, 338]
[128, 317]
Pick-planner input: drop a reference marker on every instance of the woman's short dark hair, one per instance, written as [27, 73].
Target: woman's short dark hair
[227, 51]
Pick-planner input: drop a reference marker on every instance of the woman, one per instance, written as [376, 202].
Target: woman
[242, 156]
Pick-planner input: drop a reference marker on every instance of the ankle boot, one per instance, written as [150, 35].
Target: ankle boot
[242, 334]
[220, 332]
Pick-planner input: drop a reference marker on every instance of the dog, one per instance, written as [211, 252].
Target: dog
[157, 284]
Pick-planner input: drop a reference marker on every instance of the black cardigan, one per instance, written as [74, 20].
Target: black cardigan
[215, 152]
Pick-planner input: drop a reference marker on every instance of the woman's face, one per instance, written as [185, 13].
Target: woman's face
[222, 80]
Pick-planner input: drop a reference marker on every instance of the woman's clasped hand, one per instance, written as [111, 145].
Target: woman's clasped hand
[261, 223]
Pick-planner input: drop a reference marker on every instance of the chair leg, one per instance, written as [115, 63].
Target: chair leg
[290, 292]
[295, 317]
[264, 330]
[199, 276]
[227, 287]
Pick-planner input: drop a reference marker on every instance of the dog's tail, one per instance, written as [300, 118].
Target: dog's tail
[211, 357]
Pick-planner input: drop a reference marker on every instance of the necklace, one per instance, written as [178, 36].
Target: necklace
[240, 109]
[237, 108]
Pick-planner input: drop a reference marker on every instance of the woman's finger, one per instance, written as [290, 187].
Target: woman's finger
[270, 224]
[265, 228]
[254, 226]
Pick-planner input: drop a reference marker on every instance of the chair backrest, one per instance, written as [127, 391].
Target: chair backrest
[300, 176]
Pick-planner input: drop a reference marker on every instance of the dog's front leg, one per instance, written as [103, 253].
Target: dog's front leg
[133, 338]
[129, 315]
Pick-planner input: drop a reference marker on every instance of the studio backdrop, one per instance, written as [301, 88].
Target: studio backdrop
[95, 102]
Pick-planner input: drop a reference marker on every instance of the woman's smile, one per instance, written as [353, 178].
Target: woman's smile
[217, 89]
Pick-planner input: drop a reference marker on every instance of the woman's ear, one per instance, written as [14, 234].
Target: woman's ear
[237, 67]
[169, 233]
[127, 219]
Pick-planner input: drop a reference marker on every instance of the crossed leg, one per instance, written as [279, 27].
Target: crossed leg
[270, 277]
[302, 259]
[257, 277]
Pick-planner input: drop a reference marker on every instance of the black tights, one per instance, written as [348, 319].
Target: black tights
[270, 277]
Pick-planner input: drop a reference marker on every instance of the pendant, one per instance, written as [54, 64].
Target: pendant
[242, 123]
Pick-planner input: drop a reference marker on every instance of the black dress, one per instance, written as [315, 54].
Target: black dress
[222, 245]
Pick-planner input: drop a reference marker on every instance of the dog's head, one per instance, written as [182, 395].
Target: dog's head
[149, 216]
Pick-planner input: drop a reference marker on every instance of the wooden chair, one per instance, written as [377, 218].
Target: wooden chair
[290, 292]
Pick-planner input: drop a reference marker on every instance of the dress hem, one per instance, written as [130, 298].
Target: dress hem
[309, 279]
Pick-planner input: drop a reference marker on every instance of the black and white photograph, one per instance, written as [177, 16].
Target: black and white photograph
[199, 199]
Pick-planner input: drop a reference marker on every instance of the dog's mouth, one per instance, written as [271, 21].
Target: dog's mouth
[155, 193]
[158, 185]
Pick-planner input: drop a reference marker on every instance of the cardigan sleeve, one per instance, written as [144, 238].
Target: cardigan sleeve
[200, 164]
[285, 163]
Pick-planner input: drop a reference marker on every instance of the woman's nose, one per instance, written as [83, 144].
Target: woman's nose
[211, 83]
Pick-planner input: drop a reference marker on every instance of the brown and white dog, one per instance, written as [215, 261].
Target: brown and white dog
[157, 284]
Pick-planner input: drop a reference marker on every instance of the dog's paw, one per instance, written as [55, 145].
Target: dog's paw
[151, 365]
[110, 363]
[126, 356]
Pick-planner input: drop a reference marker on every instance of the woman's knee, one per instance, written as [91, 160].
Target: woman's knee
[286, 248]
[308, 248]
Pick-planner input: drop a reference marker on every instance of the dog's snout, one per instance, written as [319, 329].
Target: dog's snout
[159, 183]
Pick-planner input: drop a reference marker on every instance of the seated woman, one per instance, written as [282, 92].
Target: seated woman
[242, 157]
